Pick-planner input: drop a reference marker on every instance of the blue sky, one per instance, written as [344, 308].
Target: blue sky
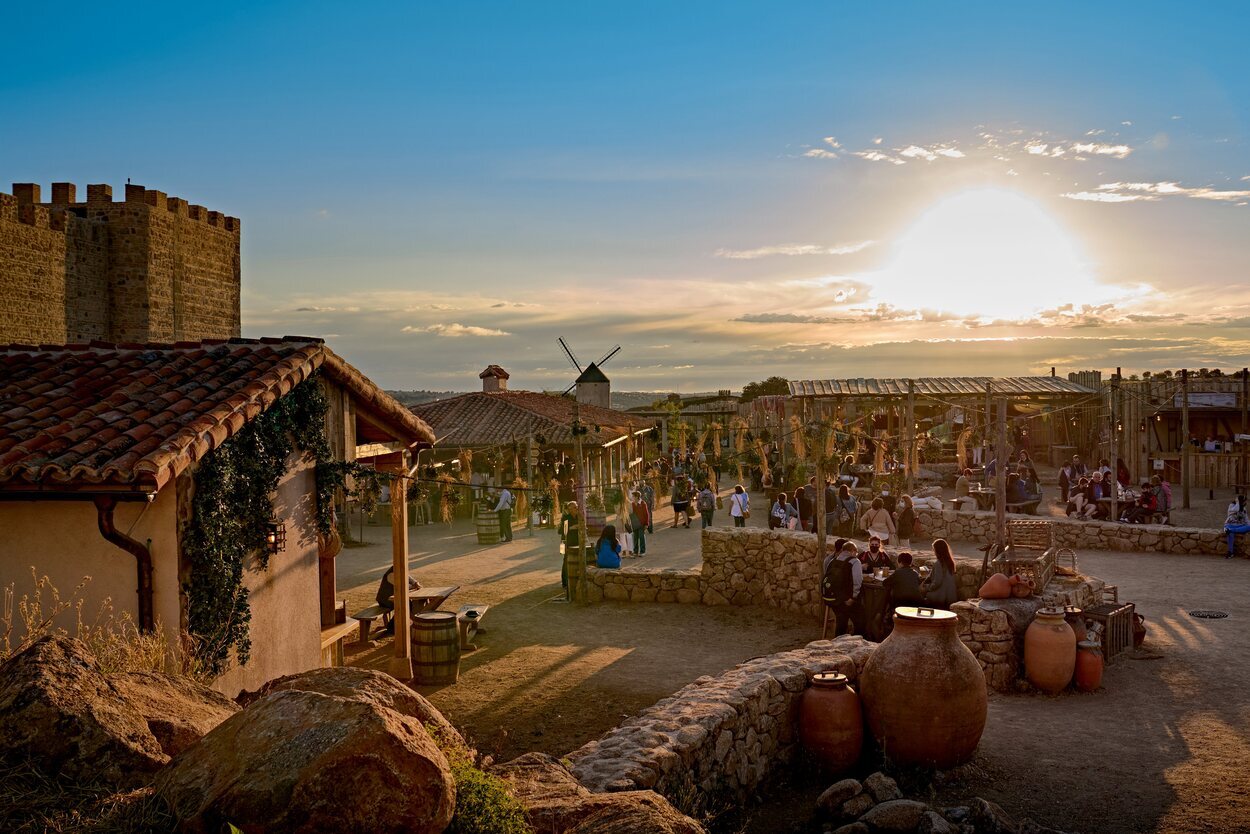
[728, 190]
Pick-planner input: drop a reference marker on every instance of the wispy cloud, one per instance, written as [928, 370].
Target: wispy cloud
[456, 330]
[877, 156]
[793, 249]
[1125, 192]
[819, 153]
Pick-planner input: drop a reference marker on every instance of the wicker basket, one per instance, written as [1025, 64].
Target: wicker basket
[1116, 623]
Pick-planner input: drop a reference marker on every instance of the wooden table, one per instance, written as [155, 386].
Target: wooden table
[983, 497]
[332, 640]
[425, 599]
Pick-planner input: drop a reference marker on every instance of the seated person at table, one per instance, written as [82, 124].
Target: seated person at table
[1146, 505]
[1016, 492]
[962, 487]
[607, 548]
[875, 556]
[1236, 522]
[940, 590]
[386, 595]
[1078, 500]
[1097, 493]
[903, 586]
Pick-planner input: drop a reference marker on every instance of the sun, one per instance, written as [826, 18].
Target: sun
[987, 252]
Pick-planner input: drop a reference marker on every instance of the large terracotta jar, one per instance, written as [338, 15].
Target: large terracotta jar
[997, 586]
[1049, 651]
[831, 722]
[1089, 665]
[924, 692]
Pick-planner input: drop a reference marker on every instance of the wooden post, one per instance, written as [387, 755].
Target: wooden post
[1186, 447]
[911, 436]
[1245, 422]
[400, 665]
[529, 479]
[1000, 475]
[989, 419]
[579, 560]
[1113, 446]
[821, 509]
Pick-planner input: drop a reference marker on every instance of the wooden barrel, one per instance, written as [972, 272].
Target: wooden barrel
[435, 647]
[487, 527]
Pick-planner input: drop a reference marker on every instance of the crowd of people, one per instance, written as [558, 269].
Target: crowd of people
[889, 518]
[842, 582]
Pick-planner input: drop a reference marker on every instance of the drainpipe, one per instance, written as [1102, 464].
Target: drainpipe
[104, 505]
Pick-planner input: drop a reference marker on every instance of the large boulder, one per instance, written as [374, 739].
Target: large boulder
[59, 712]
[307, 762]
[178, 711]
[556, 803]
[367, 685]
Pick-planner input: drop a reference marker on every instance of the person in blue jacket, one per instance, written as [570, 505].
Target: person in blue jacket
[608, 549]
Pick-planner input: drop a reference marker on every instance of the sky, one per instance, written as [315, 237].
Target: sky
[729, 191]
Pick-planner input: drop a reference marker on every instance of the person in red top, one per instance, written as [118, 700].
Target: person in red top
[1146, 506]
[639, 522]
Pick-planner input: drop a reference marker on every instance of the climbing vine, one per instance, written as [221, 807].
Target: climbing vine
[232, 507]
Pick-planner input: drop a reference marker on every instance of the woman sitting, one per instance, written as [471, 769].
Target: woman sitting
[607, 548]
[940, 589]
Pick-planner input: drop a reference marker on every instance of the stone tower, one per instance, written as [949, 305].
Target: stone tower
[150, 268]
[593, 387]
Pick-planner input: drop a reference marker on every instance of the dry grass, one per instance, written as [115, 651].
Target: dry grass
[32, 801]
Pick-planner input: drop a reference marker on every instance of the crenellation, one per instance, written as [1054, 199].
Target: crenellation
[63, 193]
[26, 192]
[115, 271]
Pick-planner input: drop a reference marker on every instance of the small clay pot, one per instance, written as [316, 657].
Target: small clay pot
[1022, 587]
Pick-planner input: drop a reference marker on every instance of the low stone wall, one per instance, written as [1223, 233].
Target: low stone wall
[723, 734]
[980, 527]
[749, 566]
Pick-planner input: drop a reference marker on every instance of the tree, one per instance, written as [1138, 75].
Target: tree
[774, 385]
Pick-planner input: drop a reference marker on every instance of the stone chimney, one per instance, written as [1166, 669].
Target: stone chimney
[494, 378]
[593, 388]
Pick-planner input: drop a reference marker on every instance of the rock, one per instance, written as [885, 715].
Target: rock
[830, 802]
[308, 762]
[60, 713]
[958, 814]
[852, 828]
[555, 802]
[178, 711]
[989, 818]
[882, 787]
[371, 686]
[931, 822]
[1028, 826]
[857, 806]
[901, 815]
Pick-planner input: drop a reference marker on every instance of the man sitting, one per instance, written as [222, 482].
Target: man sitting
[903, 586]
[386, 596]
[1237, 522]
[1146, 505]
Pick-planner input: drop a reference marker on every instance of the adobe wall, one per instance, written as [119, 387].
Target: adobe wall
[143, 269]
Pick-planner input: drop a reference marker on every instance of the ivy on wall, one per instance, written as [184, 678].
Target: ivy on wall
[234, 485]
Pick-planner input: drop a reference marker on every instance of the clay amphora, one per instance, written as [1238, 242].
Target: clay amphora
[997, 586]
[831, 722]
[1076, 619]
[1088, 666]
[1049, 651]
[1021, 587]
[924, 692]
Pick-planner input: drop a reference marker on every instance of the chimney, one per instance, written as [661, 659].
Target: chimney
[494, 378]
[593, 388]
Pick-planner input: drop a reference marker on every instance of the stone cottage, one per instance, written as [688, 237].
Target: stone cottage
[105, 448]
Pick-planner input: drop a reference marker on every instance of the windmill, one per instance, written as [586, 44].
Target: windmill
[575, 560]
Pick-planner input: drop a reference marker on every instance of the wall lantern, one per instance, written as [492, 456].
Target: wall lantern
[275, 536]
[1142, 427]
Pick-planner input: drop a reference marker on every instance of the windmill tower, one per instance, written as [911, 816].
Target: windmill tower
[592, 384]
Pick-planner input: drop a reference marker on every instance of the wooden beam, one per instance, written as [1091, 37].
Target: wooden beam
[400, 665]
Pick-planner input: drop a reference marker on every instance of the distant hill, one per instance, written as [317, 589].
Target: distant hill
[419, 397]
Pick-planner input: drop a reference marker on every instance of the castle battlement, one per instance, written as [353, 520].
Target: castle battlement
[100, 196]
[148, 267]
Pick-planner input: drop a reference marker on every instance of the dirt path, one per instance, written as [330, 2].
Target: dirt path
[1162, 748]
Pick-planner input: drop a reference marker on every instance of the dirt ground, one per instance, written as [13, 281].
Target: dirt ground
[1162, 747]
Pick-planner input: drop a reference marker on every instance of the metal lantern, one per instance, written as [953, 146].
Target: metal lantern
[275, 536]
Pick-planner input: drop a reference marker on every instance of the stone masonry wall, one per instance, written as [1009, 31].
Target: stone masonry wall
[721, 735]
[1085, 535]
[150, 268]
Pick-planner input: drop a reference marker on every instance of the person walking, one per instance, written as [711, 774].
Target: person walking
[640, 521]
[904, 522]
[740, 506]
[681, 500]
[705, 502]
[876, 521]
[504, 507]
[570, 537]
[648, 496]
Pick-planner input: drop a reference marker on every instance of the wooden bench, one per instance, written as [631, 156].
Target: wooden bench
[367, 616]
[469, 619]
[332, 640]
[1024, 507]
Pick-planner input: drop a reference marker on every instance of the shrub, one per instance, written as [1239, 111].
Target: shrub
[483, 803]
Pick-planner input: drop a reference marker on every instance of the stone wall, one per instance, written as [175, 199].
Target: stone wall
[1085, 535]
[720, 735]
[151, 268]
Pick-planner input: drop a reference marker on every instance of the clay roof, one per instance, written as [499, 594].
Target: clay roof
[495, 371]
[937, 387]
[136, 415]
[489, 418]
[592, 374]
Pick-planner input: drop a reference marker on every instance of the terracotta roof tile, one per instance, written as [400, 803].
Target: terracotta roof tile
[496, 417]
[137, 415]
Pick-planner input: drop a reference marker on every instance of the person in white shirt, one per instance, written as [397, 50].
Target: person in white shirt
[504, 507]
[739, 506]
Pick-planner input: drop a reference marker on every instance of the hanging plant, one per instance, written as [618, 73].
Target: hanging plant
[797, 439]
[449, 498]
[465, 456]
[520, 489]
[594, 501]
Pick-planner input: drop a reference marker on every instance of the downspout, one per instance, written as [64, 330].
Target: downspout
[105, 505]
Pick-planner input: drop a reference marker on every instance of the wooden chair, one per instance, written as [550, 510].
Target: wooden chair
[1030, 551]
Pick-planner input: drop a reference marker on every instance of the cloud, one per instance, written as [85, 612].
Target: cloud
[314, 309]
[877, 140]
[1101, 149]
[819, 153]
[877, 156]
[792, 249]
[455, 330]
[832, 142]
[1124, 192]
